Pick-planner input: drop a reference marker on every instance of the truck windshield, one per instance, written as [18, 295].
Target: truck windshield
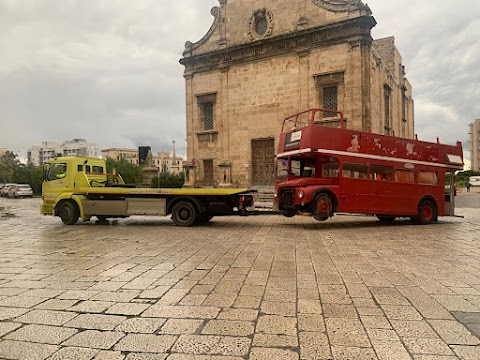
[56, 171]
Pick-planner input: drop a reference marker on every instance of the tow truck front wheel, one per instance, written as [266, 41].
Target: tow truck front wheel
[68, 213]
[184, 213]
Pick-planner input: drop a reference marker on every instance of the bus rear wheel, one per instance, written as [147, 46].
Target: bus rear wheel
[184, 213]
[322, 207]
[427, 212]
[69, 213]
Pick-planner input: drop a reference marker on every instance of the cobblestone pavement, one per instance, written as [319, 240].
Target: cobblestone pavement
[239, 288]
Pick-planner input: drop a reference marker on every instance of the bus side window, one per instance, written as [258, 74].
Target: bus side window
[405, 176]
[381, 173]
[355, 171]
[330, 170]
[427, 178]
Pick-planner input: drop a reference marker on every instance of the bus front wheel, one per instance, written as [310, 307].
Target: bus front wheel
[184, 213]
[322, 207]
[69, 213]
[427, 212]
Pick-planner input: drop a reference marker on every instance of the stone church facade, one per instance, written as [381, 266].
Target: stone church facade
[262, 61]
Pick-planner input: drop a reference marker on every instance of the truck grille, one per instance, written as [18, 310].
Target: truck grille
[287, 198]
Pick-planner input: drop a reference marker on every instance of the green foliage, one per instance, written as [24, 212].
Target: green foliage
[12, 171]
[131, 174]
[462, 177]
[8, 164]
[29, 174]
[167, 180]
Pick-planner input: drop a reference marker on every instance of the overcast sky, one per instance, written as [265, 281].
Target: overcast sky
[108, 71]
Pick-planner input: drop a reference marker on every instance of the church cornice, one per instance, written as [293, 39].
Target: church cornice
[340, 5]
[352, 30]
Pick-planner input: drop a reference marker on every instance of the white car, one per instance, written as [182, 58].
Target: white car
[20, 190]
[4, 189]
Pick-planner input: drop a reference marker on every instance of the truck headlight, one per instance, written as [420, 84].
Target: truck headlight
[300, 194]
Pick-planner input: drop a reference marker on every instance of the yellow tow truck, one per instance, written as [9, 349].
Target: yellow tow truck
[79, 187]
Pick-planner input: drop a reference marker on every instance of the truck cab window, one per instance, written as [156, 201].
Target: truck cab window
[57, 171]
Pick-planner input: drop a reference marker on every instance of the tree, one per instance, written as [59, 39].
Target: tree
[8, 164]
[167, 180]
[131, 174]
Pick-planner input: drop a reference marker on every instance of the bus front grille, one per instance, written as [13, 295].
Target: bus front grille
[287, 198]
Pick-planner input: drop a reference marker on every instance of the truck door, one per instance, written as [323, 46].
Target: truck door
[55, 181]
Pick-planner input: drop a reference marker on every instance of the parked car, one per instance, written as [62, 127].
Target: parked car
[4, 189]
[20, 190]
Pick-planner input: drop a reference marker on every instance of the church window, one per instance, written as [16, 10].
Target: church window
[208, 116]
[387, 109]
[261, 25]
[330, 100]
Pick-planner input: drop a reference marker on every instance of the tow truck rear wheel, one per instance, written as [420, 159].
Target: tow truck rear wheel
[322, 207]
[184, 213]
[69, 213]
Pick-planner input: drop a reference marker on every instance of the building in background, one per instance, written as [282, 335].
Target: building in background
[119, 154]
[475, 145]
[39, 155]
[163, 161]
[262, 61]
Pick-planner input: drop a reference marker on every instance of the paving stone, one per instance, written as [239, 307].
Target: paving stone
[21, 301]
[187, 312]
[42, 334]
[427, 346]
[279, 308]
[181, 326]
[202, 357]
[228, 327]
[353, 353]
[280, 325]
[467, 352]
[89, 306]
[454, 333]
[271, 340]
[140, 325]
[269, 353]
[145, 343]
[314, 345]
[47, 317]
[94, 339]
[127, 309]
[212, 345]
[56, 304]
[415, 329]
[346, 332]
[6, 327]
[96, 321]
[10, 349]
[238, 314]
[144, 356]
[109, 355]
[74, 353]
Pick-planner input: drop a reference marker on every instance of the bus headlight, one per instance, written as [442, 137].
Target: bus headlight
[300, 194]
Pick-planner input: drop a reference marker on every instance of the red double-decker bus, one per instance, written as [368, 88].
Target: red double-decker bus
[324, 168]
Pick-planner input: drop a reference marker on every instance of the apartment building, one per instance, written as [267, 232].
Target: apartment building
[475, 145]
[39, 155]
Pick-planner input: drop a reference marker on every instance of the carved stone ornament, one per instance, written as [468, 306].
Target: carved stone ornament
[261, 24]
[189, 46]
[338, 5]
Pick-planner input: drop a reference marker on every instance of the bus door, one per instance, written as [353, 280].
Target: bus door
[355, 189]
[383, 188]
[450, 194]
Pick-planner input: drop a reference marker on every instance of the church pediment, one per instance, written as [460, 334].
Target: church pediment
[251, 21]
[338, 5]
